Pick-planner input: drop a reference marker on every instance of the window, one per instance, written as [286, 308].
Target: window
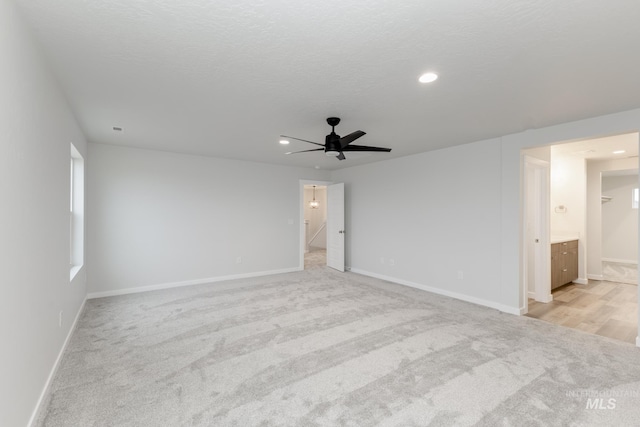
[76, 212]
[71, 215]
[635, 198]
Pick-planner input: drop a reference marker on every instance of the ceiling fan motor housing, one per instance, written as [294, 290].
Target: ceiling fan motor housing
[332, 142]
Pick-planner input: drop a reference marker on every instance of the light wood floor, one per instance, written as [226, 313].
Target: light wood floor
[604, 308]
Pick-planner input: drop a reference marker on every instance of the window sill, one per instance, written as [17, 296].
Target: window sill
[74, 271]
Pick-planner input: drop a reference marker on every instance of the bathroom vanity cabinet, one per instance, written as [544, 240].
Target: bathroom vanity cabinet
[564, 263]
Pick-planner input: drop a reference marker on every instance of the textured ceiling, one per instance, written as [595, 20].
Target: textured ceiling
[225, 78]
[600, 148]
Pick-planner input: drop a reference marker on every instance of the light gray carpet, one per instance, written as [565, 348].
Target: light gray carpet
[320, 348]
[315, 259]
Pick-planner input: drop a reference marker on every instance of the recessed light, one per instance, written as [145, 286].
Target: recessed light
[619, 152]
[428, 78]
[284, 142]
[317, 167]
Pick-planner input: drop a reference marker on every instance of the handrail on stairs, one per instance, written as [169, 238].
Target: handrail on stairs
[322, 227]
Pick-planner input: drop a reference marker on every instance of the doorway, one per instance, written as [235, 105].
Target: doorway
[584, 299]
[322, 241]
[620, 200]
[314, 205]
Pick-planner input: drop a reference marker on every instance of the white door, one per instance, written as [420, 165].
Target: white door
[537, 248]
[335, 226]
[542, 244]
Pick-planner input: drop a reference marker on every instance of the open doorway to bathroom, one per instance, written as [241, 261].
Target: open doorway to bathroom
[315, 226]
[593, 256]
[620, 225]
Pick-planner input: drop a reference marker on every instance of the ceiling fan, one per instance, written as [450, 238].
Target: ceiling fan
[336, 146]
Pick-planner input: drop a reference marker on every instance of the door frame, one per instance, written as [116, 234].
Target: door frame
[304, 182]
[542, 256]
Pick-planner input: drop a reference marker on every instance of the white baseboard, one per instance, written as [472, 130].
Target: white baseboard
[532, 295]
[161, 286]
[548, 299]
[595, 277]
[621, 261]
[581, 281]
[456, 295]
[54, 369]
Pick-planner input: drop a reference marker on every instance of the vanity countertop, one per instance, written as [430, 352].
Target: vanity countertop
[560, 239]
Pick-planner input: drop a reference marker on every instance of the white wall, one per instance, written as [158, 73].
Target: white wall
[157, 218]
[595, 168]
[36, 127]
[568, 189]
[424, 219]
[316, 217]
[619, 219]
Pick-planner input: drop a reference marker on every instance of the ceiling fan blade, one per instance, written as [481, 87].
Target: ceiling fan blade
[303, 140]
[346, 140]
[365, 148]
[341, 156]
[305, 151]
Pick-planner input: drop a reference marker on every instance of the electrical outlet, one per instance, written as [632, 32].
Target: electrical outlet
[60, 319]
[239, 260]
[460, 275]
[392, 262]
[290, 222]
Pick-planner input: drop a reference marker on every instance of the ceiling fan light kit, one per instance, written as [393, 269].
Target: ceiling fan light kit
[334, 145]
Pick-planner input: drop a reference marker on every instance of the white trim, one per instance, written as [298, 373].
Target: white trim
[74, 270]
[620, 261]
[535, 160]
[532, 295]
[581, 281]
[595, 277]
[54, 369]
[170, 285]
[547, 299]
[638, 341]
[462, 297]
[542, 253]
